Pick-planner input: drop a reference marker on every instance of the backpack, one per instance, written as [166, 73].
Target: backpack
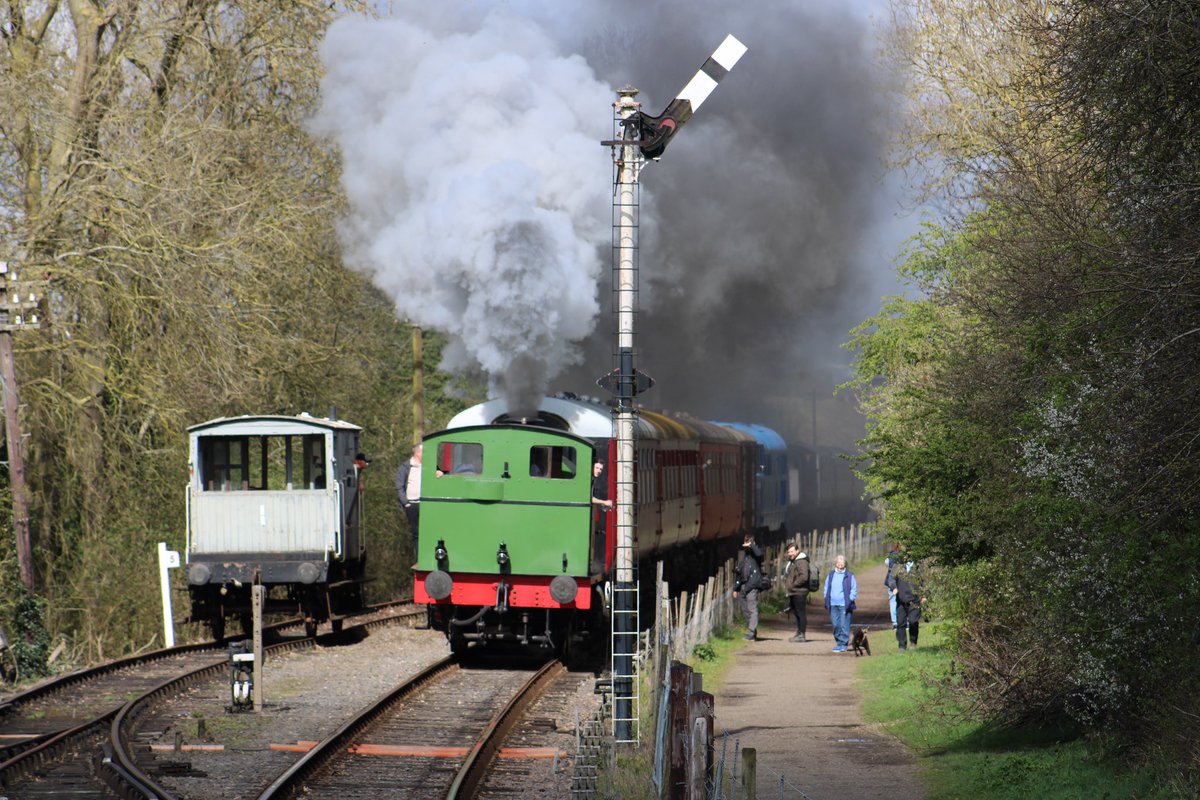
[814, 578]
[764, 583]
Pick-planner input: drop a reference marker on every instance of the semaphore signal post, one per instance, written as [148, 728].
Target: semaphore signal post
[637, 137]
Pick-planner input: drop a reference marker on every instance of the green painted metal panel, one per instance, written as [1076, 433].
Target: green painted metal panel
[538, 517]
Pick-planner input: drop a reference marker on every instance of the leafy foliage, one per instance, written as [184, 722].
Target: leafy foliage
[30, 643]
[1033, 424]
[164, 187]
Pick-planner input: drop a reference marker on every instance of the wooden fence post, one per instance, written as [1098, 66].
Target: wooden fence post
[678, 733]
[749, 773]
[700, 763]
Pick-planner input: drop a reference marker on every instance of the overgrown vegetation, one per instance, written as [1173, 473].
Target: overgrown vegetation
[158, 177]
[629, 776]
[1032, 413]
[964, 757]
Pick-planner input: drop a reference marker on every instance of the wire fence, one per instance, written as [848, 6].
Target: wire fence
[682, 623]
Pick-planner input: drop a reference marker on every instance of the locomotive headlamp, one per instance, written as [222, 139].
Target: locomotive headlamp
[439, 553]
[502, 555]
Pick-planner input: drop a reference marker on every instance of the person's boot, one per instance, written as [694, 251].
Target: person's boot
[799, 637]
[750, 637]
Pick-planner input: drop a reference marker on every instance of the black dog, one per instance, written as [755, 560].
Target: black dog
[860, 642]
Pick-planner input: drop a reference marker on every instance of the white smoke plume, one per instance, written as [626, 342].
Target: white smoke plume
[478, 189]
[480, 196]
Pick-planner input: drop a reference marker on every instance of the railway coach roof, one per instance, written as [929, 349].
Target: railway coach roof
[251, 425]
[760, 433]
[684, 426]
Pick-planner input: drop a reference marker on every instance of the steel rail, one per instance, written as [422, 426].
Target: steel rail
[292, 780]
[118, 768]
[123, 770]
[89, 673]
[26, 761]
[483, 753]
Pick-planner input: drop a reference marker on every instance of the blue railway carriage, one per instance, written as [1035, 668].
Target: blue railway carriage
[275, 500]
[771, 482]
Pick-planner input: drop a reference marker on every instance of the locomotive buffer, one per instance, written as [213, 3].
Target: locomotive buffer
[640, 137]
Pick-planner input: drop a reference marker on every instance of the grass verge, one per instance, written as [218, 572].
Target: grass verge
[630, 774]
[962, 758]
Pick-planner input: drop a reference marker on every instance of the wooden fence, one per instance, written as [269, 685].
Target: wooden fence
[688, 620]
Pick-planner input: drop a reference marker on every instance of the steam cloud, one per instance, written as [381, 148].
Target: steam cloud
[480, 195]
[476, 182]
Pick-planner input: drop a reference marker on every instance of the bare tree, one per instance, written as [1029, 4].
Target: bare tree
[161, 181]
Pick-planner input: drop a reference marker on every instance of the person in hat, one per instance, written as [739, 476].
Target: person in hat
[795, 583]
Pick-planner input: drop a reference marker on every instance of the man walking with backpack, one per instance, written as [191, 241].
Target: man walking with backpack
[795, 582]
[748, 581]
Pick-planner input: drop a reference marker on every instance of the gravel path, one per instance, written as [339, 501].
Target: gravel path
[796, 704]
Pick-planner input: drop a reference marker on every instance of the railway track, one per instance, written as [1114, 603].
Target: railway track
[437, 735]
[70, 737]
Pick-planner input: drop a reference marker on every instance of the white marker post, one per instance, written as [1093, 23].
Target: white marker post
[167, 559]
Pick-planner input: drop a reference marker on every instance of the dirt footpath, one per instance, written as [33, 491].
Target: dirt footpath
[796, 704]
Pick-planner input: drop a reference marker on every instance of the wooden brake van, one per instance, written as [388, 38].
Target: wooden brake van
[275, 500]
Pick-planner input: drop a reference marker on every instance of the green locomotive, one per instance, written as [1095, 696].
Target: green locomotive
[512, 546]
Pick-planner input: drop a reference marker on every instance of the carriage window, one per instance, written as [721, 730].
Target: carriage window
[552, 462]
[220, 464]
[460, 458]
[652, 476]
[243, 463]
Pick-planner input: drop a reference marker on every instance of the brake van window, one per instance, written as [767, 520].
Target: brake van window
[244, 463]
[460, 458]
[547, 461]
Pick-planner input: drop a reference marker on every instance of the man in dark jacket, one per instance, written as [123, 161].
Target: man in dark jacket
[795, 582]
[904, 584]
[747, 580]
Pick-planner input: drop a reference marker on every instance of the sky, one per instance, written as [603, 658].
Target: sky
[481, 198]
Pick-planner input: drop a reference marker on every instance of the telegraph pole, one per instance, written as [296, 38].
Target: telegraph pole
[18, 311]
[418, 385]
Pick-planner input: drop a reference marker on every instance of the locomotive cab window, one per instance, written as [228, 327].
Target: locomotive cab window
[460, 458]
[552, 462]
